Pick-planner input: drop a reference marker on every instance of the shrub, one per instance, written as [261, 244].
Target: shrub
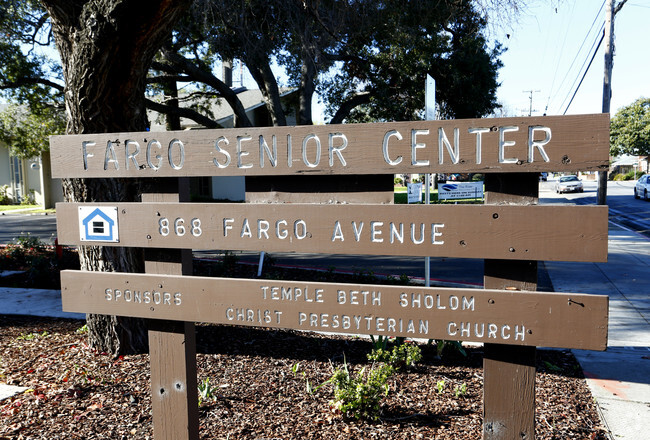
[5, 199]
[398, 181]
[630, 175]
[398, 356]
[359, 396]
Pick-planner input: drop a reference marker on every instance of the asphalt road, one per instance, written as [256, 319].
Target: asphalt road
[624, 210]
[15, 225]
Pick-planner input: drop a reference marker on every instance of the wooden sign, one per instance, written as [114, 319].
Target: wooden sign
[542, 232]
[550, 143]
[564, 320]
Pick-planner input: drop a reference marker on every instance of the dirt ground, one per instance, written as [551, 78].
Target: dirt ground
[259, 388]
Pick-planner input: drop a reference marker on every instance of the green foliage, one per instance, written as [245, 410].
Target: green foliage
[82, 330]
[27, 77]
[443, 346]
[440, 386]
[399, 355]
[359, 395]
[206, 391]
[364, 276]
[460, 390]
[398, 181]
[32, 336]
[39, 262]
[5, 199]
[630, 175]
[403, 41]
[27, 133]
[630, 129]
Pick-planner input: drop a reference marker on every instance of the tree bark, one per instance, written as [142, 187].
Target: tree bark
[106, 47]
[265, 79]
[307, 87]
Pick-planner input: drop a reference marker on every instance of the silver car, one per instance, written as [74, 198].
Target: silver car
[568, 184]
[642, 187]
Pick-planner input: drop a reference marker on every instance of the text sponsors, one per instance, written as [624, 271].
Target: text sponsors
[154, 297]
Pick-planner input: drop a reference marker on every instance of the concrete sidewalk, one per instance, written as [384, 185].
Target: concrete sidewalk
[619, 378]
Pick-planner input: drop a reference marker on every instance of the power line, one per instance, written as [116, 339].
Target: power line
[574, 60]
[593, 49]
[585, 74]
[559, 57]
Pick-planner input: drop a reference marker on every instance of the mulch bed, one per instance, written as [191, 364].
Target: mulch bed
[260, 388]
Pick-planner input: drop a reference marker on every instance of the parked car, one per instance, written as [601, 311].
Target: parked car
[642, 187]
[568, 184]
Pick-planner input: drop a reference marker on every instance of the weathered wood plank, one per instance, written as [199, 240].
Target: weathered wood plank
[172, 344]
[547, 319]
[522, 144]
[509, 372]
[560, 233]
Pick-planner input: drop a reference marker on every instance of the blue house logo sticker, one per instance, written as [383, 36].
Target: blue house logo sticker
[98, 223]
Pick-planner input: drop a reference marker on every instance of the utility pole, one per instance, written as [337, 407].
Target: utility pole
[530, 98]
[607, 88]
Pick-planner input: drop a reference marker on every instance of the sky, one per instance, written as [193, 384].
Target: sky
[544, 55]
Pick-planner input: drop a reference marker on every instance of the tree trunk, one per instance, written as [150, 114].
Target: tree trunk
[264, 78]
[307, 87]
[106, 47]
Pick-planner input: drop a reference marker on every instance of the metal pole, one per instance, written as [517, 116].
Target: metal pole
[430, 114]
[607, 88]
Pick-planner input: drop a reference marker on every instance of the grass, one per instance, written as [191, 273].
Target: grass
[15, 207]
[30, 208]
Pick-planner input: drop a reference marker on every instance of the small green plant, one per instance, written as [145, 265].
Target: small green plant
[443, 346]
[440, 386]
[82, 330]
[295, 369]
[552, 367]
[400, 355]
[460, 390]
[32, 336]
[359, 395]
[5, 198]
[29, 199]
[206, 391]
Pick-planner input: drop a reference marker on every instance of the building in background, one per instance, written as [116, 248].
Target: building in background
[231, 188]
[28, 180]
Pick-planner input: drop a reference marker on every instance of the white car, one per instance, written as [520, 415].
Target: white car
[642, 187]
[568, 184]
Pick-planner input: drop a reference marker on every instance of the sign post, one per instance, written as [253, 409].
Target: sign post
[510, 231]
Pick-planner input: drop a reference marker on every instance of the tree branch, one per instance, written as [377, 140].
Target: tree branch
[161, 78]
[347, 106]
[619, 6]
[208, 78]
[31, 81]
[182, 112]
